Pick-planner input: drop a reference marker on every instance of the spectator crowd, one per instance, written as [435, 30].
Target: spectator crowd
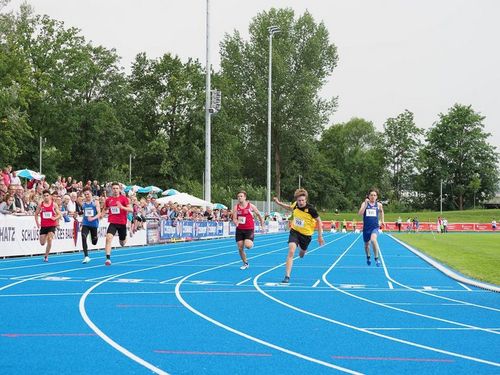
[22, 199]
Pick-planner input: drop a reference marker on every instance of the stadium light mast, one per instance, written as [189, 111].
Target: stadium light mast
[272, 30]
[208, 147]
[441, 198]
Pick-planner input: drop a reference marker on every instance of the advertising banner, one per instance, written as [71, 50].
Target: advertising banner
[19, 235]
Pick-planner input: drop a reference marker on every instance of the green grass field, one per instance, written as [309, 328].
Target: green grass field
[467, 216]
[476, 255]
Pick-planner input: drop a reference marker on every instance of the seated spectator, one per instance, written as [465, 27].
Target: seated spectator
[29, 203]
[3, 189]
[7, 205]
[6, 176]
[14, 179]
[96, 189]
[18, 199]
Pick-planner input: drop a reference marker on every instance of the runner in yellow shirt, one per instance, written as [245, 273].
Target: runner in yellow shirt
[305, 218]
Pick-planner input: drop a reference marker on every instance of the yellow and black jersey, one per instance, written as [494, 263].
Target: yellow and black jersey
[304, 219]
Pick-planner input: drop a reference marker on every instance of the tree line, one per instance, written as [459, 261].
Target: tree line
[92, 117]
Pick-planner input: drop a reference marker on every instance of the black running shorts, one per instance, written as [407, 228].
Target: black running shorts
[120, 228]
[300, 239]
[244, 234]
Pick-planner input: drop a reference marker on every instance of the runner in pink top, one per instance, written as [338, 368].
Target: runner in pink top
[47, 217]
[117, 206]
[245, 226]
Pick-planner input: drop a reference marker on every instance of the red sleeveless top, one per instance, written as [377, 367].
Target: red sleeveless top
[245, 217]
[47, 215]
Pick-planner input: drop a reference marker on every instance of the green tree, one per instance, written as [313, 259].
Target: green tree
[303, 58]
[457, 152]
[355, 150]
[402, 144]
[167, 110]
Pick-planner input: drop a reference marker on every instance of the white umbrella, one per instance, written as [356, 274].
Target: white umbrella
[184, 198]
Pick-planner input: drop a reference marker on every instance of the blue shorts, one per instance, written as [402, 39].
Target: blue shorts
[367, 233]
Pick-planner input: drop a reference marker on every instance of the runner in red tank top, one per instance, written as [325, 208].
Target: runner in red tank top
[118, 206]
[245, 226]
[47, 217]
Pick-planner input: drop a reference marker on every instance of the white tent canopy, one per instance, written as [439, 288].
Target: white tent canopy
[184, 198]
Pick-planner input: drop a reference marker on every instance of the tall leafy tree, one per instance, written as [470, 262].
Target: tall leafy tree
[167, 117]
[457, 152]
[402, 141]
[303, 58]
[355, 150]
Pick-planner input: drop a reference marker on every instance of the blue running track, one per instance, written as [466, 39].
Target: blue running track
[187, 308]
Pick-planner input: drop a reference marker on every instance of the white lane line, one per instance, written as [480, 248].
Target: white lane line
[98, 278]
[465, 286]
[81, 268]
[247, 336]
[244, 281]
[316, 283]
[392, 307]
[172, 279]
[431, 294]
[410, 343]
[105, 337]
[423, 329]
[390, 285]
[131, 251]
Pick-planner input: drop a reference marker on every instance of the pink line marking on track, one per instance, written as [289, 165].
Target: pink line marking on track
[14, 335]
[213, 353]
[166, 306]
[393, 359]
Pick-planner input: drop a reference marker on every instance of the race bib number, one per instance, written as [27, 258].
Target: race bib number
[115, 210]
[47, 215]
[298, 222]
[89, 212]
[242, 220]
[371, 212]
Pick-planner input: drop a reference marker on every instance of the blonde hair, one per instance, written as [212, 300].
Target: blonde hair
[300, 193]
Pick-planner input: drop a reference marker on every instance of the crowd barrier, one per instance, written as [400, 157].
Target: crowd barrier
[187, 230]
[19, 235]
[422, 227]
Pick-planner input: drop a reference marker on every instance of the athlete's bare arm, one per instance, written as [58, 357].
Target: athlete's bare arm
[281, 204]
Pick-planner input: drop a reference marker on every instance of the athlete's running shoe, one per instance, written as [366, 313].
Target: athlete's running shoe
[45, 259]
[86, 260]
[377, 262]
[108, 262]
[368, 261]
[244, 266]
[286, 280]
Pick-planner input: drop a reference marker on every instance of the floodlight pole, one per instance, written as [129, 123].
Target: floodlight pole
[41, 145]
[272, 30]
[130, 169]
[208, 146]
[441, 198]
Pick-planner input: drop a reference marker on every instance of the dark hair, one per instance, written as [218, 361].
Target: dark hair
[242, 192]
[45, 192]
[373, 190]
[115, 183]
[86, 188]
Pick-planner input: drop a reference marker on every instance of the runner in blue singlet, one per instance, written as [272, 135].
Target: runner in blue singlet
[90, 222]
[371, 210]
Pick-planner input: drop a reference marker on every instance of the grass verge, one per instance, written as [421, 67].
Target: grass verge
[476, 255]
